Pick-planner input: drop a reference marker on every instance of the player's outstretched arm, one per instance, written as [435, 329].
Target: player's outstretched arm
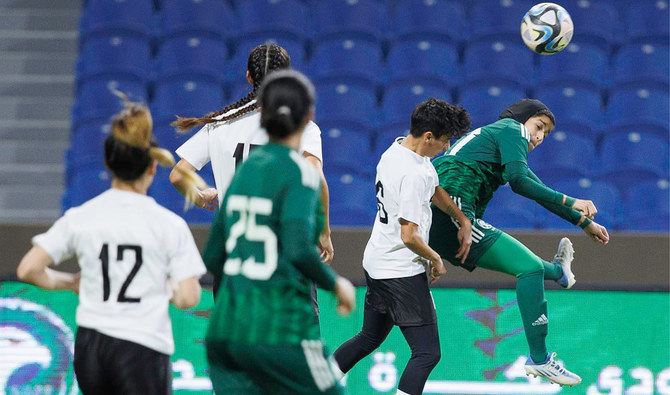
[206, 198]
[409, 233]
[325, 243]
[597, 232]
[585, 207]
[444, 202]
[33, 269]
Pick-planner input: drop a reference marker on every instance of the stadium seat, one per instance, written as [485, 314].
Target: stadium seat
[501, 63]
[347, 150]
[424, 62]
[420, 19]
[185, 98]
[353, 201]
[647, 207]
[348, 106]
[212, 18]
[356, 61]
[116, 17]
[87, 143]
[114, 56]
[86, 182]
[628, 158]
[581, 64]
[400, 99]
[575, 108]
[346, 19]
[269, 17]
[604, 195]
[641, 66]
[642, 109]
[237, 67]
[168, 138]
[508, 210]
[386, 137]
[485, 103]
[563, 156]
[595, 21]
[497, 19]
[647, 21]
[95, 99]
[167, 196]
[191, 56]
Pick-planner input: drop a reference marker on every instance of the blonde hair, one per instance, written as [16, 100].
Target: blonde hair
[132, 127]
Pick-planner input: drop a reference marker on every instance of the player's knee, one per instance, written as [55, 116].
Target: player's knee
[531, 267]
[429, 358]
[369, 341]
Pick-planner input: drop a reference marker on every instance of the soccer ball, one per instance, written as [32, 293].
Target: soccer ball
[546, 28]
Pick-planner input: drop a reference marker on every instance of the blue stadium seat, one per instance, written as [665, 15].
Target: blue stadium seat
[419, 19]
[485, 103]
[508, 210]
[95, 99]
[349, 106]
[191, 56]
[497, 19]
[647, 21]
[400, 99]
[237, 67]
[575, 108]
[604, 195]
[424, 62]
[563, 156]
[212, 18]
[86, 182]
[352, 199]
[114, 56]
[87, 144]
[122, 17]
[628, 158]
[347, 150]
[647, 207]
[168, 138]
[386, 137]
[167, 196]
[580, 64]
[340, 19]
[185, 98]
[502, 63]
[357, 61]
[595, 21]
[268, 17]
[639, 110]
[642, 65]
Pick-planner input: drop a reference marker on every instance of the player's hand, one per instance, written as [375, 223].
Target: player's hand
[326, 248]
[208, 199]
[75, 283]
[585, 207]
[464, 239]
[346, 296]
[437, 269]
[598, 233]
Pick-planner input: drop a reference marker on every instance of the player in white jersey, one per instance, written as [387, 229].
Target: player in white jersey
[135, 258]
[228, 135]
[397, 254]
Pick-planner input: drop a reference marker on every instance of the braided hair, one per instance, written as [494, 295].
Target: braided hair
[262, 60]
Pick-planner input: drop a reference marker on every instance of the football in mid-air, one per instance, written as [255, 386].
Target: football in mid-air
[546, 28]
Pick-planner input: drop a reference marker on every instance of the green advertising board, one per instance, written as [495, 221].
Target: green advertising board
[619, 342]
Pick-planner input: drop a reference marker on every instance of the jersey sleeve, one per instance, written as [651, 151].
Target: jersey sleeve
[513, 143]
[185, 260]
[311, 141]
[410, 197]
[57, 241]
[196, 149]
[215, 255]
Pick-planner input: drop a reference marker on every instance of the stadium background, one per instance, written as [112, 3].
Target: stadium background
[371, 61]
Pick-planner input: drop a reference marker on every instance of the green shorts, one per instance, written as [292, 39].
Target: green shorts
[443, 239]
[237, 368]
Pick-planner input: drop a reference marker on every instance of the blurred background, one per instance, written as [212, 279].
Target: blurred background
[372, 61]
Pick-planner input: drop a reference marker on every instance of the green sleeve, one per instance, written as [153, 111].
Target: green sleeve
[214, 255]
[297, 235]
[565, 212]
[518, 176]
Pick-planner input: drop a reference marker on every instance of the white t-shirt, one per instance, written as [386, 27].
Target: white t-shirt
[406, 183]
[227, 143]
[127, 247]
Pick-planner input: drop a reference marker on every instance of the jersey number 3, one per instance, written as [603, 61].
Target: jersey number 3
[104, 258]
[246, 227]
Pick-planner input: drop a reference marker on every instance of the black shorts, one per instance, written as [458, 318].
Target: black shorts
[107, 365]
[407, 300]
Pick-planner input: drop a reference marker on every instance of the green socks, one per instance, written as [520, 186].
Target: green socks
[533, 308]
[552, 271]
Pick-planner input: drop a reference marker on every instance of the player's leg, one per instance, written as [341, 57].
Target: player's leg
[226, 376]
[92, 377]
[425, 345]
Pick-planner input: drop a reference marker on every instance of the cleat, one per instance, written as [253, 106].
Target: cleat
[552, 371]
[564, 257]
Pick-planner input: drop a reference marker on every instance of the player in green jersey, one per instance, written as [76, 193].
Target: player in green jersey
[471, 171]
[263, 336]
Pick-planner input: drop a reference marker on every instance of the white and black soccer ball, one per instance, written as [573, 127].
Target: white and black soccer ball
[546, 28]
